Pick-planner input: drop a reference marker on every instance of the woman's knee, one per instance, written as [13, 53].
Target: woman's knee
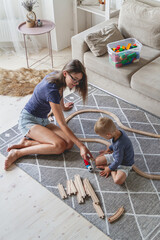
[70, 145]
[60, 146]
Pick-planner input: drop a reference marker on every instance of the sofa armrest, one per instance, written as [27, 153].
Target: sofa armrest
[79, 46]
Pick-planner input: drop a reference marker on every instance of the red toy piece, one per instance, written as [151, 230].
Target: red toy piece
[88, 165]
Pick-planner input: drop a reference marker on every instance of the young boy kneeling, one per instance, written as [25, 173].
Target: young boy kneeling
[119, 157]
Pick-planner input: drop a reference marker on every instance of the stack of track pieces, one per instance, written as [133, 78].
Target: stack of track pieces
[82, 188]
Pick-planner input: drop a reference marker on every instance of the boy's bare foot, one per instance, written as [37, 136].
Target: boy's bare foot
[11, 158]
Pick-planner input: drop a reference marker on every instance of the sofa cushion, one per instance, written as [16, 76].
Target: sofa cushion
[97, 41]
[79, 46]
[147, 80]
[140, 21]
[121, 75]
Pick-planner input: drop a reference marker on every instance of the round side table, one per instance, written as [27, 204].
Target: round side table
[46, 27]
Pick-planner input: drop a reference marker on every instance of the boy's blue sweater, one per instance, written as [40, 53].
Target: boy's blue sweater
[123, 152]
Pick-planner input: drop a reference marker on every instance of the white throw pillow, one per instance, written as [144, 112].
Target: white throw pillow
[97, 41]
[141, 21]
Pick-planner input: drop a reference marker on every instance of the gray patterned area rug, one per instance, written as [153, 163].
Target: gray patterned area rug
[139, 196]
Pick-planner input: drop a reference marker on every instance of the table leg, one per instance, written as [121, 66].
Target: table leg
[50, 47]
[26, 49]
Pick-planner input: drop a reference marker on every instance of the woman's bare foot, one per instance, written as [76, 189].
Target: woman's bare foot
[11, 158]
[22, 144]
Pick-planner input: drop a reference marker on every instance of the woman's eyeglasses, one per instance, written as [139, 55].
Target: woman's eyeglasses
[75, 80]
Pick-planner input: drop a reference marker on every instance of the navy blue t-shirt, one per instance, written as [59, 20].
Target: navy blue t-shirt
[123, 152]
[44, 92]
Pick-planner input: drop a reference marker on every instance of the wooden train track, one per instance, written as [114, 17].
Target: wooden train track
[115, 118]
[117, 215]
[135, 168]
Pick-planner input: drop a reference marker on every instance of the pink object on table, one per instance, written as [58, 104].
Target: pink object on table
[46, 27]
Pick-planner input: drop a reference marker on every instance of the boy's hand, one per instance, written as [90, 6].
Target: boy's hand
[106, 172]
[102, 152]
[108, 151]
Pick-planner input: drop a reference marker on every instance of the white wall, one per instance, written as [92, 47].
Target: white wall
[47, 13]
[61, 13]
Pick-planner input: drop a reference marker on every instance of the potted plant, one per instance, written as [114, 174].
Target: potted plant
[31, 16]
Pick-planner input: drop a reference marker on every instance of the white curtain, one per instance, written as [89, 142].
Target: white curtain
[12, 13]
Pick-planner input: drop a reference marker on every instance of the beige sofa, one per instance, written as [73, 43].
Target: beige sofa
[137, 83]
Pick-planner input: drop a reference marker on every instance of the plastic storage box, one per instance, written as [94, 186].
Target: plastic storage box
[119, 59]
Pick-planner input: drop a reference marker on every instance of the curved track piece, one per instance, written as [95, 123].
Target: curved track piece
[115, 118]
[136, 169]
[146, 175]
[117, 215]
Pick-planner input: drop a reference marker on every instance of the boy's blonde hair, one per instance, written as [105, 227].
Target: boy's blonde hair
[104, 126]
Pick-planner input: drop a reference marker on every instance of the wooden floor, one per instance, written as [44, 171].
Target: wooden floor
[28, 211]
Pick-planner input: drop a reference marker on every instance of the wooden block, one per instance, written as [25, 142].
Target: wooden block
[73, 188]
[91, 191]
[62, 191]
[79, 196]
[80, 184]
[98, 210]
[68, 187]
[85, 187]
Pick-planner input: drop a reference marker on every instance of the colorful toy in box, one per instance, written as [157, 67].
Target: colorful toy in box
[124, 58]
[124, 52]
[123, 48]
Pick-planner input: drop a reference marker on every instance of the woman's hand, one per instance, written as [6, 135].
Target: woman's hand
[67, 106]
[85, 153]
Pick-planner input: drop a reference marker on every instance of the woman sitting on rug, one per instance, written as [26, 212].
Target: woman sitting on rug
[41, 136]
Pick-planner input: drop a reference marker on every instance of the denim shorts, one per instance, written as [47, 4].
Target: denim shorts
[27, 120]
[123, 168]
